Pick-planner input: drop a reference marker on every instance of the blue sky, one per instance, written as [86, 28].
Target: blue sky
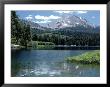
[46, 16]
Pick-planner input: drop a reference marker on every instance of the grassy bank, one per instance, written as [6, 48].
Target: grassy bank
[92, 57]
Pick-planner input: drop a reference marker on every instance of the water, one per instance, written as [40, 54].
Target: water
[50, 63]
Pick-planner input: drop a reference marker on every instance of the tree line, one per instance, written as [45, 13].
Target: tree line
[20, 31]
[78, 39]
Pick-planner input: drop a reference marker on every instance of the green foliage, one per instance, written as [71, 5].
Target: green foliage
[68, 36]
[13, 40]
[20, 31]
[78, 39]
[86, 58]
[42, 45]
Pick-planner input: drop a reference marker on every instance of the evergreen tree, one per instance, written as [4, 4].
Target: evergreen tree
[20, 31]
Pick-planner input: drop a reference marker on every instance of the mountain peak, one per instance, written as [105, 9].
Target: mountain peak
[69, 21]
[63, 22]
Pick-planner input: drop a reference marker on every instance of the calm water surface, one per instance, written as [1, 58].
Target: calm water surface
[49, 63]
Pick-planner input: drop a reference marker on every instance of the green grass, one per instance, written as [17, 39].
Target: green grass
[42, 45]
[92, 57]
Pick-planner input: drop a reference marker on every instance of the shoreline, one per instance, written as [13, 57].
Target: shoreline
[56, 47]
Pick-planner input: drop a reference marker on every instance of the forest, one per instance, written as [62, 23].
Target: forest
[20, 31]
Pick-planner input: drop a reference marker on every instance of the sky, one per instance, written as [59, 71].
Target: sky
[43, 17]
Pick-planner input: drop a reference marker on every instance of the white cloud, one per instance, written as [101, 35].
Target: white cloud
[81, 12]
[46, 17]
[65, 24]
[29, 17]
[93, 17]
[46, 21]
[69, 12]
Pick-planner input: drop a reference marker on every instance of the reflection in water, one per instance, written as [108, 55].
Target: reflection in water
[43, 63]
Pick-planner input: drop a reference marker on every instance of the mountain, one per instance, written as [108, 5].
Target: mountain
[66, 24]
[34, 25]
[70, 21]
[80, 29]
[71, 30]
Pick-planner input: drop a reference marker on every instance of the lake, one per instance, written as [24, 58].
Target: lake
[50, 63]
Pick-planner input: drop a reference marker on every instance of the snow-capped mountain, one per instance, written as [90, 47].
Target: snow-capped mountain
[65, 21]
[34, 25]
[70, 21]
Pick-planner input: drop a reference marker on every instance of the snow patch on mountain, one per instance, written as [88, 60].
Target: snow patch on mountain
[70, 21]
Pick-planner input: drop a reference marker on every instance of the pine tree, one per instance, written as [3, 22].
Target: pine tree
[20, 31]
